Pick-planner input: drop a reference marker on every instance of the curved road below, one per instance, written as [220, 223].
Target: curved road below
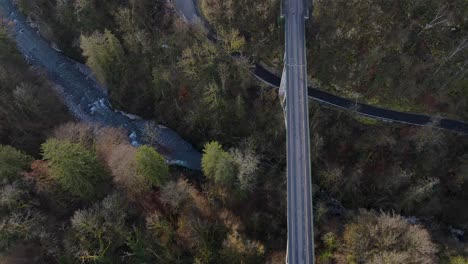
[85, 98]
[88, 101]
[188, 9]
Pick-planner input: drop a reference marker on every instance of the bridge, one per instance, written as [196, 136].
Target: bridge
[300, 246]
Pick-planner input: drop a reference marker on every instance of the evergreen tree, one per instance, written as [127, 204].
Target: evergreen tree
[217, 164]
[151, 165]
[76, 168]
[105, 56]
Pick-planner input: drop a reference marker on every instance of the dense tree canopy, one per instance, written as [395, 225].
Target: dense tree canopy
[407, 55]
[29, 107]
[12, 163]
[76, 168]
[386, 238]
[105, 56]
[217, 164]
[152, 166]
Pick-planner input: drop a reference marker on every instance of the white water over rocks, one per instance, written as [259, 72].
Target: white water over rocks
[84, 97]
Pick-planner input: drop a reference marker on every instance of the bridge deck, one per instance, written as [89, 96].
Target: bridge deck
[300, 216]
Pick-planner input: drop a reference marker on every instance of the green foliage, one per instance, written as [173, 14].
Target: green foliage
[105, 56]
[12, 163]
[458, 260]
[212, 97]
[151, 165]
[155, 66]
[218, 165]
[330, 242]
[211, 153]
[76, 168]
[367, 120]
[232, 41]
[235, 21]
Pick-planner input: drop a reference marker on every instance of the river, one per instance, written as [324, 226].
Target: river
[83, 95]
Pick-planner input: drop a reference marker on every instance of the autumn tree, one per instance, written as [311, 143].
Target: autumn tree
[21, 225]
[237, 248]
[99, 230]
[232, 41]
[176, 194]
[135, 170]
[20, 220]
[121, 161]
[386, 238]
[80, 133]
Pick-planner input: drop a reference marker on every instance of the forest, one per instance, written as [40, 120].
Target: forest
[78, 192]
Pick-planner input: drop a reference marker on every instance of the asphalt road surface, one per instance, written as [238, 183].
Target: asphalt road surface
[300, 216]
[188, 9]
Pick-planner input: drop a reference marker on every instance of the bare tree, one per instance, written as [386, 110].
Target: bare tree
[439, 18]
[151, 133]
[247, 163]
[423, 190]
[461, 46]
[386, 238]
[223, 71]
